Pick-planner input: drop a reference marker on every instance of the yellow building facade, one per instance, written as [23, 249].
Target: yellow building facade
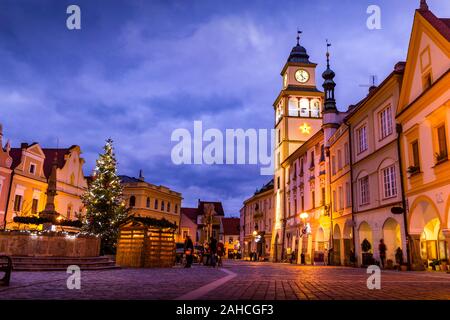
[424, 113]
[149, 200]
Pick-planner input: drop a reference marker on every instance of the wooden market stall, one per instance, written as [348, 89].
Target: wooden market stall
[146, 243]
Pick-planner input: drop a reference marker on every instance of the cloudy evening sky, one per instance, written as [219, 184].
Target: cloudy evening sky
[137, 70]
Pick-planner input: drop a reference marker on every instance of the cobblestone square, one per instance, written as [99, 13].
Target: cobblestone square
[238, 280]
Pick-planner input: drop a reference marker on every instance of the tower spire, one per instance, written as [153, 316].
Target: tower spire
[329, 84]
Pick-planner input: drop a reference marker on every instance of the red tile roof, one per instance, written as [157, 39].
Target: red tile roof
[191, 213]
[50, 153]
[231, 226]
[441, 25]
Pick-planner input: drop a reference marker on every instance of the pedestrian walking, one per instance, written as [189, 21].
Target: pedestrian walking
[188, 251]
[220, 253]
[213, 251]
[382, 250]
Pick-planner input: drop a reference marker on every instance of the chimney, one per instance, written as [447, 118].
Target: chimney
[371, 88]
[23, 145]
[423, 5]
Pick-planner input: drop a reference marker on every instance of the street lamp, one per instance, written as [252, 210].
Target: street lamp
[304, 216]
[255, 233]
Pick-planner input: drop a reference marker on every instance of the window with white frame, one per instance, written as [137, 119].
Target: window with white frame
[364, 190]
[385, 122]
[389, 182]
[362, 139]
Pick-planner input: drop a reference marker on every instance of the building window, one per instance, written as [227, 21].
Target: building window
[442, 143]
[415, 154]
[348, 192]
[334, 201]
[389, 182]
[156, 203]
[176, 208]
[315, 108]
[346, 154]
[34, 206]
[313, 198]
[364, 190]
[303, 202]
[148, 202]
[17, 203]
[132, 201]
[341, 198]
[362, 139]
[323, 196]
[168, 206]
[32, 168]
[185, 234]
[339, 159]
[278, 182]
[312, 159]
[162, 205]
[304, 107]
[427, 81]
[386, 122]
[278, 160]
[293, 107]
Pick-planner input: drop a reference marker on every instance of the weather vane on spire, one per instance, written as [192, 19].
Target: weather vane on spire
[298, 36]
[328, 53]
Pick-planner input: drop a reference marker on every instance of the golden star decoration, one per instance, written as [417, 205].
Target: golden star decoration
[305, 128]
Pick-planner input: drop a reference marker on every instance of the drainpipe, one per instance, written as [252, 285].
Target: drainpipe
[284, 219]
[399, 130]
[350, 151]
[330, 209]
[7, 199]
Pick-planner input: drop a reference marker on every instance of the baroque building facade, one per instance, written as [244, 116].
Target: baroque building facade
[374, 172]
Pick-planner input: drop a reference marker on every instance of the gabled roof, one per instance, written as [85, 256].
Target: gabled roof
[217, 207]
[231, 226]
[191, 213]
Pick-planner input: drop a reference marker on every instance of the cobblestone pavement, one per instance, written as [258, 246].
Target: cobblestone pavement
[253, 280]
[136, 284]
[268, 281]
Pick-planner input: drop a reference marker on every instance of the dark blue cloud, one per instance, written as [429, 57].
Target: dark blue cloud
[140, 69]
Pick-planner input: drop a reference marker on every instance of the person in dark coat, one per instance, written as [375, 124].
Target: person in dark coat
[213, 251]
[382, 250]
[188, 251]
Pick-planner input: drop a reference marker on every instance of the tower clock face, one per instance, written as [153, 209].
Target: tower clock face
[301, 75]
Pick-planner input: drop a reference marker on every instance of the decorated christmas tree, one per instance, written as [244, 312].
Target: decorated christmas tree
[105, 209]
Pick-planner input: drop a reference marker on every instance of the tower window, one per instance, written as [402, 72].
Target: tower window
[315, 108]
[304, 107]
[293, 107]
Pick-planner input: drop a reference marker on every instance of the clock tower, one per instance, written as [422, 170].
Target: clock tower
[298, 116]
